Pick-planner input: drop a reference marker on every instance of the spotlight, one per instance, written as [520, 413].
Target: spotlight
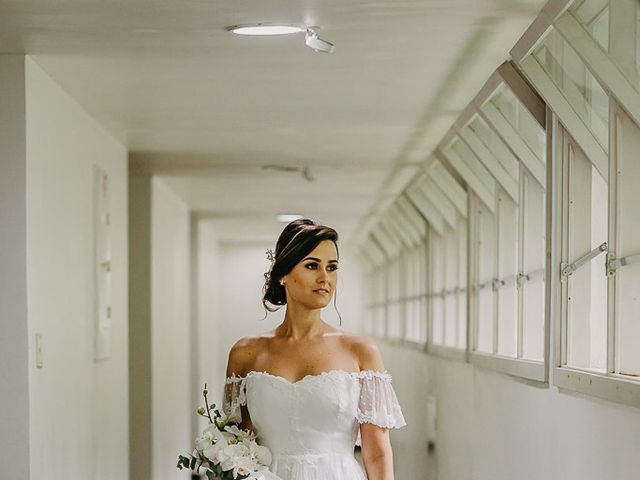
[316, 43]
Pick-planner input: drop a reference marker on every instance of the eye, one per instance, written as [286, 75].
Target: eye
[333, 267]
[311, 265]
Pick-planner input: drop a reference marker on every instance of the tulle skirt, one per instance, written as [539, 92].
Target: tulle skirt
[317, 466]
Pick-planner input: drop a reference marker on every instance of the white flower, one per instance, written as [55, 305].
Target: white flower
[204, 441]
[261, 453]
[236, 458]
[239, 434]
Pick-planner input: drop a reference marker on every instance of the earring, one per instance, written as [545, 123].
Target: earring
[281, 282]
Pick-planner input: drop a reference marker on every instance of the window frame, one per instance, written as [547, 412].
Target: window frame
[622, 97]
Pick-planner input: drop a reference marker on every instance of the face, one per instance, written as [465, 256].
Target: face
[313, 280]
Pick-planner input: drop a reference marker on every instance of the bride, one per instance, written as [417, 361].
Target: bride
[308, 390]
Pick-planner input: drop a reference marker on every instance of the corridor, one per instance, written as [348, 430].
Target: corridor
[478, 159]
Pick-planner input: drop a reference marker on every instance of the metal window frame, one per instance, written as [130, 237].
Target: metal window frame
[452, 189]
[434, 194]
[565, 112]
[469, 176]
[424, 206]
[610, 385]
[488, 159]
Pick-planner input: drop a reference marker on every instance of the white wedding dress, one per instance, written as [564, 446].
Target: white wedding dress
[312, 425]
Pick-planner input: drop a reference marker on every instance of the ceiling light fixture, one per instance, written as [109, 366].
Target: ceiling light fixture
[311, 38]
[264, 29]
[319, 45]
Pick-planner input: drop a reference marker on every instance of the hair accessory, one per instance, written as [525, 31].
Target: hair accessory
[272, 259]
[270, 256]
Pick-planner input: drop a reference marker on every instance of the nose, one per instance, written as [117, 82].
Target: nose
[323, 277]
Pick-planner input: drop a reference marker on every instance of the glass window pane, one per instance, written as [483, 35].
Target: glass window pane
[628, 277]
[521, 120]
[395, 290]
[461, 296]
[507, 272]
[486, 251]
[437, 285]
[451, 280]
[579, 87]
[495, 145]
[473, 163]
[533, 264]
[587, 286]
[594, 16]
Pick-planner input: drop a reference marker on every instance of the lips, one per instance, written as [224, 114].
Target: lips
[321, 290]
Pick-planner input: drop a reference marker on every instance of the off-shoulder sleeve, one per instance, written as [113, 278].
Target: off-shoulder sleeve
[234, 396]
[378, 403]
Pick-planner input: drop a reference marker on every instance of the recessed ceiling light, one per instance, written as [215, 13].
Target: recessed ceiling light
[288, 217]
[264, 29]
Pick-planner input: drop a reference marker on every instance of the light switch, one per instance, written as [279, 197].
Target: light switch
[38, 350]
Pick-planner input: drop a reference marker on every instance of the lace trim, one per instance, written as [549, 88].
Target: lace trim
[233, 379]
[378, 403]
[390, 422]
[359, 374]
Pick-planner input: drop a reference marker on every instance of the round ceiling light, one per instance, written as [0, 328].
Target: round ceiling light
[264, 29]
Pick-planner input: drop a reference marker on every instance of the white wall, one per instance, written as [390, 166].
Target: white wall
[79, 416]
[410, 373]
[14, 351]
[205, 335]
[491, 426]
[161, 400]
[170, 324]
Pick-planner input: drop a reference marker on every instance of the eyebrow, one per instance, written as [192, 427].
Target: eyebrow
[318, 260]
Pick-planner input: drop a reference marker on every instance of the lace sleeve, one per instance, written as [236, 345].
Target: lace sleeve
[378, 403]
[234, 396]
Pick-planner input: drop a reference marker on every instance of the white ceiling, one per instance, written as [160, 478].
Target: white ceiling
[206, 109]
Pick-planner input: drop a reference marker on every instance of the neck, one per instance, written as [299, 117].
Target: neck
[301, 323]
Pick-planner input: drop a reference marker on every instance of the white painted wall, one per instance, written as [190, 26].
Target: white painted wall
[491, 426]
[79, 410]
[14, 340]
[206, 335]
[170, 327]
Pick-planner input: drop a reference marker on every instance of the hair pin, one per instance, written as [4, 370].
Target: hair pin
[270, 255]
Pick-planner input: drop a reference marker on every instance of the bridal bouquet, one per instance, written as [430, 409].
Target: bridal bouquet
[224, 451]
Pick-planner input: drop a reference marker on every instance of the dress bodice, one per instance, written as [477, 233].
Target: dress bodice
[312, 425]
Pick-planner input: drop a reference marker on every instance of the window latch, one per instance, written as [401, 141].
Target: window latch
[569, 269]
[614, 263]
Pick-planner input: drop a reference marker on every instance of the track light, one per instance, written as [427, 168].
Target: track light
[316, 43]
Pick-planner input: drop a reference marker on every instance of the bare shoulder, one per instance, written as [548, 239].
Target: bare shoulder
[366, 350]
[242, 354]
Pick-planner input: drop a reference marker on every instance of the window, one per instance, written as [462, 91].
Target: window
[588, 73]
[578, 86]
[500, 151]
[415, 294]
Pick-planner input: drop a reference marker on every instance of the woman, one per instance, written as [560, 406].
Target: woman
[308, 390]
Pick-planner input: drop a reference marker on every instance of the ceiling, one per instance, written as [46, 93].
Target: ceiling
[206, 109]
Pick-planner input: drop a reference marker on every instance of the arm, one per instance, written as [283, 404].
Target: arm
[239, 358]
[376, 447]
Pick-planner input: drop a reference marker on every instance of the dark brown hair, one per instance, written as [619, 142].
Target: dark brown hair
[295, 242]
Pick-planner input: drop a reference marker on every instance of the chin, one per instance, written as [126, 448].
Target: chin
[319, 304]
